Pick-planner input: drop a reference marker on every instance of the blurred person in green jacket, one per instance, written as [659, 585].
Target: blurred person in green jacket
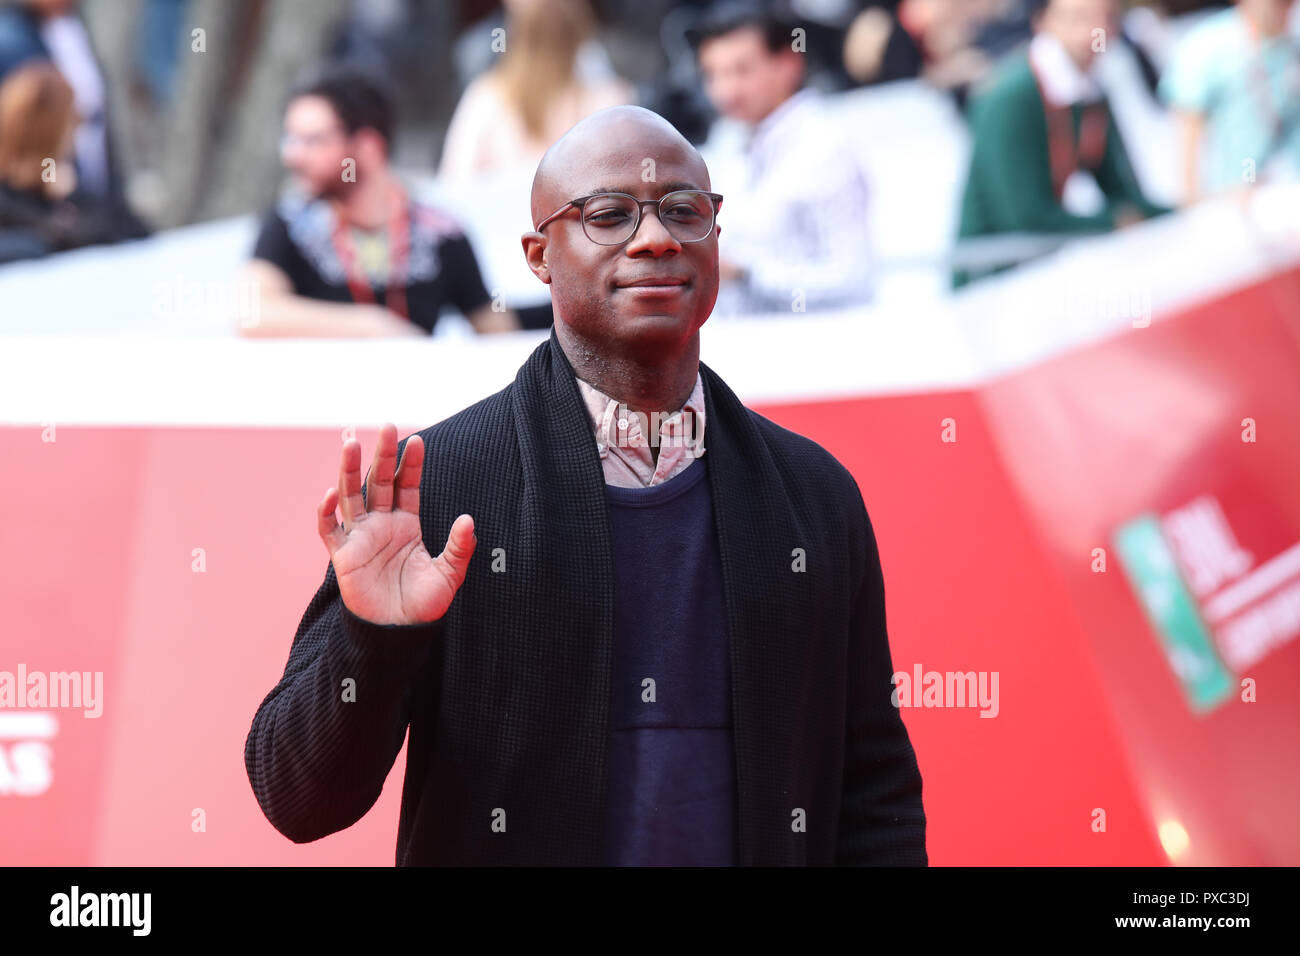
[1047, 156]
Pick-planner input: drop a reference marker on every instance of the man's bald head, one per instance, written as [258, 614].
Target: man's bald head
[606, 143]
[643, 298]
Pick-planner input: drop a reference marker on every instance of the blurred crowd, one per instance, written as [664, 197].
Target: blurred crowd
[217, 99]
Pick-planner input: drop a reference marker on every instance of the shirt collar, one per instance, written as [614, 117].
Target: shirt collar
[612, 426]
[763, 130]
[1064, 84]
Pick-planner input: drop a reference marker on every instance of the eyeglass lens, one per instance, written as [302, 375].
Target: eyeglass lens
[611, 219]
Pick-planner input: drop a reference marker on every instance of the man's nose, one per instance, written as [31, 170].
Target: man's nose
[651, 235]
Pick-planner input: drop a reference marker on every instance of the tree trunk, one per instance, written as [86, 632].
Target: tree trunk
[246, 171]
[194, 122]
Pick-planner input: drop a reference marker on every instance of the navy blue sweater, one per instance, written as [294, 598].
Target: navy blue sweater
[672, 783]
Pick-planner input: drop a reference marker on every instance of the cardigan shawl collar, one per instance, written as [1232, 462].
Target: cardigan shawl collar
[754, 516]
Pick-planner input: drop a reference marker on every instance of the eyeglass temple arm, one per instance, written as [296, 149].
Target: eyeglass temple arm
[555, 215]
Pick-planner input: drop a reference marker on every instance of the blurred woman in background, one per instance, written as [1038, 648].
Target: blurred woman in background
[508, 116]
[41, 208]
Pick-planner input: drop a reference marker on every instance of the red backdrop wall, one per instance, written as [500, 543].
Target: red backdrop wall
[986, 543]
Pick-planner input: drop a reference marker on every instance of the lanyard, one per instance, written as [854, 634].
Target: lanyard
[1065, 153]
[399, 235]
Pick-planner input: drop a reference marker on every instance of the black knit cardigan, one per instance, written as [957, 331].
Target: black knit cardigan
[508, 696]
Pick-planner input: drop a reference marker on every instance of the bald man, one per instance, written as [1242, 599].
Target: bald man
[672, 649]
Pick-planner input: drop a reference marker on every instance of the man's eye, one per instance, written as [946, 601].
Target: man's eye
[607, 217]
[685, 214]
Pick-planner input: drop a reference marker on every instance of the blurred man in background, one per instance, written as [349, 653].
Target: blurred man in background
[1047, 156]
[349, 252]
[1234, 84]
[797, 234]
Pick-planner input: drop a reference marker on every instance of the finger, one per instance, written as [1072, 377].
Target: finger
[379, 482]
[330, 532]
[351, 506]
[408, 476]
[461, 542]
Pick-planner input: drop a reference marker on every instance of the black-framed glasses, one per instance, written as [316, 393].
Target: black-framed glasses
[610, 219]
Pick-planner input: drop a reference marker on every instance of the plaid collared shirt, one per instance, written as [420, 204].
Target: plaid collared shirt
[624, 444]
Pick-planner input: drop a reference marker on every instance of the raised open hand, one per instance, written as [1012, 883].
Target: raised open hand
[385, 574]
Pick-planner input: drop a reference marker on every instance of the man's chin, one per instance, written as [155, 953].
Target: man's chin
[662, 314]
[651, 317]
[650, 325]
[326, 190]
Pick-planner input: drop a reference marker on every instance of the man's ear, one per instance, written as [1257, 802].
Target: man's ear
[795, 65]
[534, 244]
[369, 141]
